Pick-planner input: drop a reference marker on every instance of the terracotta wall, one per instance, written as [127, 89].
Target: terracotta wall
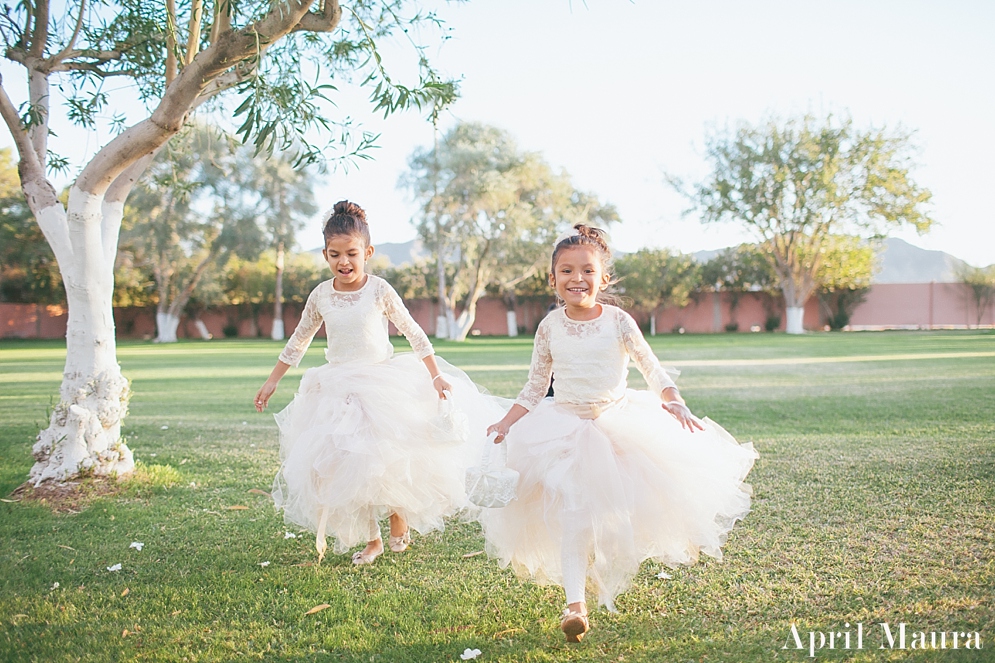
[917, 305]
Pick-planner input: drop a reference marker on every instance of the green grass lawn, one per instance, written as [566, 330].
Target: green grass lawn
[874, 501]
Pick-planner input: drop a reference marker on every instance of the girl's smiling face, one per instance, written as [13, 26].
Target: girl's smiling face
[578, 276]
[346, 255]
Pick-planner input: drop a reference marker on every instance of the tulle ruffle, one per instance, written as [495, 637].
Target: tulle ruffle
[643, 487]
[365, 440]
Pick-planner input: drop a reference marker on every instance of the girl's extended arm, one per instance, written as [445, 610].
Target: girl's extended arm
[269, 387]
[535, 388]
[397, 312]
[293, 352]
[656, 377]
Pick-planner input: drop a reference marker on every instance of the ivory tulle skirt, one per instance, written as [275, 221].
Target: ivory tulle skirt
[360, 441]
[637, 484]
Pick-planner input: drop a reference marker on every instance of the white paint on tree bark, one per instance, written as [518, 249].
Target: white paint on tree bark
[441, 327]
[202, 330]
[795, 314]
[84, 432]
[166, 325]
[653, 323]
[278, 331]
[512, 324]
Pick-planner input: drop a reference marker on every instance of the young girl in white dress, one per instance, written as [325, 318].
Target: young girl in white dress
[609, 476]
[364, 438]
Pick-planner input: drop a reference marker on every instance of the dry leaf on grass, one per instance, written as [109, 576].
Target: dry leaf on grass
[238, 507]
[124, 633]
[473, 554]
[125, 592]
[317, 608]
[256, 491]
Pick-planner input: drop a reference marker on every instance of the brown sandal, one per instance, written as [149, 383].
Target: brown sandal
[574, 625]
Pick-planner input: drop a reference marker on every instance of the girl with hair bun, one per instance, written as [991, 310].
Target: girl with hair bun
[609, 476]
[369, 435]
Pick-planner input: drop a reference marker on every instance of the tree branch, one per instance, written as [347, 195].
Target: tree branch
[326, 21]
[193, 34]
[39, 38]
[181, 95]
[39, 191]
[171, 65]
[61, 55]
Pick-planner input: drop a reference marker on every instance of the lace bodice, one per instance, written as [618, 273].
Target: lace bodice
[590, 359]
[355, 324]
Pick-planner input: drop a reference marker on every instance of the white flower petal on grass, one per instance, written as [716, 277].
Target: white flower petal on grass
[116, 567]
[55, 586]
[137, 545]
[289, 535]
[264, 564]
[245, 423]
[663, 575]
[164, 428]
[470, 654]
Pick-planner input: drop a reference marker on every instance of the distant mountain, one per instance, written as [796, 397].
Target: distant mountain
[901, 262]
[898, 262]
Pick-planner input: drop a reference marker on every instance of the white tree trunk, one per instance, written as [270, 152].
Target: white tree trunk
[512, 324]
[166, 325]
[441, 327]
[795, 314]
[653, 323]
[202, 329]
[278, 332]
[464, 323]
[84, 432]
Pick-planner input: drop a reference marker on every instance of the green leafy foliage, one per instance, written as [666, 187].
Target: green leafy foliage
[653, 278]
[795, 182]
[490, 211]
[28, 271]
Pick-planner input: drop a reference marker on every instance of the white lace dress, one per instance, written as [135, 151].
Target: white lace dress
[366, 434]
[608, 466]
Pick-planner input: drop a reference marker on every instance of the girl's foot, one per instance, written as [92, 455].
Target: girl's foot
[574, 625]
[399, 543]
[368, 554]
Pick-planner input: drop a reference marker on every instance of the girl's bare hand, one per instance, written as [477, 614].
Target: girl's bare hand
[441, 386]
[500, 429]
[264, 394]
[682, 413]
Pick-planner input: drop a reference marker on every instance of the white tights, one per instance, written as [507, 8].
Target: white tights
[574, 553]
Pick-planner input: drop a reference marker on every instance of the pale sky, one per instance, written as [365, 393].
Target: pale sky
[618, 93]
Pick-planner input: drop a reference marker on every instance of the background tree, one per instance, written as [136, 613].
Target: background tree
[249, 286]
[844, 277]
[980, 282]
[490, 212]
[179, 57]
[739, 269]
[28, 271]
[793, 183]
[656, 278]
[279, 196]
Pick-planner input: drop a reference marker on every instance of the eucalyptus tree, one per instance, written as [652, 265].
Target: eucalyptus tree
[796, 182]
[490, 212]
[844, 277]
[980, 282]
[178, 57]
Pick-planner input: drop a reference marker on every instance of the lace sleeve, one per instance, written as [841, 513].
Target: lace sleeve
[299, 341]
[641, 353]
[539, 372]
[395, 310]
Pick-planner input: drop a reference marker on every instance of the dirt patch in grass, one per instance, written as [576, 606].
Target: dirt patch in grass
[68, 496]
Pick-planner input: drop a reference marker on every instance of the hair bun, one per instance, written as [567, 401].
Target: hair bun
[597, 235]
[351, 209]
